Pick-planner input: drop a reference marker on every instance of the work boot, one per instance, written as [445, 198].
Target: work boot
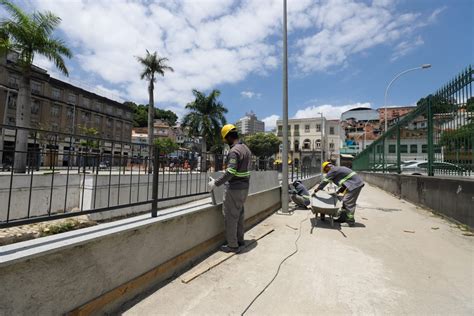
[227, 249]
[342, 218]
[241, 243]
[350, 220]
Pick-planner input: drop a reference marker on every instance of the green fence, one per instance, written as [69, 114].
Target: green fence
[436, 138]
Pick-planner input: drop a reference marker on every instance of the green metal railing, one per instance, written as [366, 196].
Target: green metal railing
[436, 138]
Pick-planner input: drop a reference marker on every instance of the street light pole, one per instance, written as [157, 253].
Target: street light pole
[424, 66]
[323, 135]
[284, 162]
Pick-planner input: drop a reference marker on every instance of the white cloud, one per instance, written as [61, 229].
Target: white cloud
[270, 122]
[250, 94]
[405, 47]
[215, 42]
[329, 111]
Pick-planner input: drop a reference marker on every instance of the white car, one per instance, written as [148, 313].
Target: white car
[420, 168]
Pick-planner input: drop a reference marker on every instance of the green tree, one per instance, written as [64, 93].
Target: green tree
[205, 117]
[167, 116]
[28, 35]
[263, 145]
[152, 64]
[166, 145]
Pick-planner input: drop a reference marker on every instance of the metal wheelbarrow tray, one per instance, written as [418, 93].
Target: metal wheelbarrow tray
[325, 204]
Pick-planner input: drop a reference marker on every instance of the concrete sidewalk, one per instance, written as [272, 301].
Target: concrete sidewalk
[399, 259]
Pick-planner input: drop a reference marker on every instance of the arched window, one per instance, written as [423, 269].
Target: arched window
[307, 144]
[318, 143]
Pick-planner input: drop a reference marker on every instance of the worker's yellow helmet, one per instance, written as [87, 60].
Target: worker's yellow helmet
[325, 164]
[226, 129]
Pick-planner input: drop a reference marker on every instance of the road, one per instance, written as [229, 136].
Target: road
[399, 259]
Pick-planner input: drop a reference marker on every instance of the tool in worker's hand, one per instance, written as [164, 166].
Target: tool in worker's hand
[212, 183]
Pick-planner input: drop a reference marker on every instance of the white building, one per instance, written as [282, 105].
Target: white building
[249, 124]
[309, 138]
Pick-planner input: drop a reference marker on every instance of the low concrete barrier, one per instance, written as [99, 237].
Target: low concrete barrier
[96, 269]
[451, 197]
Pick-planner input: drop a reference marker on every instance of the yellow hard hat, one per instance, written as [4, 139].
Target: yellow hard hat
[325, 164]
[226, 129]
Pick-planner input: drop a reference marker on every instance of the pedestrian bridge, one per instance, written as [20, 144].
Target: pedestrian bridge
[400, 258]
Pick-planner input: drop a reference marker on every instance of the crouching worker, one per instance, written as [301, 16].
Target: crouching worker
[300, 194]
[350, 185]
[236, 179]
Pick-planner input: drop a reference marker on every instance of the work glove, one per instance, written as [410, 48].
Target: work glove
[212, 183]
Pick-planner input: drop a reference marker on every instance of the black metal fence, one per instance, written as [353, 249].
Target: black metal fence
[436, 138]
[67, 175]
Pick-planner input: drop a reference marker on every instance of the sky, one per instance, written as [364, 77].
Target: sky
[342, 53]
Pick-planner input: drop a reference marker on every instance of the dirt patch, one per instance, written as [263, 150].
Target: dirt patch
[26, 232]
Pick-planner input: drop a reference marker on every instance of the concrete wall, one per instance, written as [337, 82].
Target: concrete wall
[452, 197]
[40, 194]
[56, 274]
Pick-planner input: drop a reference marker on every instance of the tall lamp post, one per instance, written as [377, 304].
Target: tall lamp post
[424, 66]
[284, 162]
[323, 141]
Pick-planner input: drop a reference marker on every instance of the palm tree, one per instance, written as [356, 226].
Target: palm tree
[29, 34]
[152, 64]
[206, 117]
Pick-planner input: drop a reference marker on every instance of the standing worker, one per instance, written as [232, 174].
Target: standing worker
[350, 184]
[236, 179]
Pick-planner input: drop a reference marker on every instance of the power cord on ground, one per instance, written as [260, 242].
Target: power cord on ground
[279, 266]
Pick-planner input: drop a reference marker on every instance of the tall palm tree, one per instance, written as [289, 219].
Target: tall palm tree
[206, 117]
[152, 64]
[29, 34]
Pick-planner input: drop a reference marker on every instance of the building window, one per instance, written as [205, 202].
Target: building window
[306, 128]
[86, 102]
[35, 107]
[331, 130]
[318, 143]
[128, 115]
[55, 109]
[318, 128]
[70, 113]
[98, 106]
[13, 81]
[331, 145]
[307, 144]
[297, 146]
[119, 112]
[55, 127]
[109, 122]
[12, 102]
[392, 149]
[56, 93]
[86, 116]
[403, 149]
[109, 109]
[280, 131]
[413, 149]
[36, 87]
[11, 120]
[424, 149]
[72, 98]
[98, 120]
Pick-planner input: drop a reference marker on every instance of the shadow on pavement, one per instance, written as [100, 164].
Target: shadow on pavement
[250, 245]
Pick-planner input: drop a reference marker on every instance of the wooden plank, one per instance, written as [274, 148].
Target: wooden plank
[206, 266]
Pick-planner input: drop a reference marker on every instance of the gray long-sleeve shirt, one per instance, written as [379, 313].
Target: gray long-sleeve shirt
[342, 176]
[237, 173]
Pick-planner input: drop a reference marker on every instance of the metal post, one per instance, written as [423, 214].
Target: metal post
[5, 113]
[156, 171]
[399, 160]
[430, 138]
[284, 191]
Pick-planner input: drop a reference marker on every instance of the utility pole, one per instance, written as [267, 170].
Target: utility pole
[284, 162]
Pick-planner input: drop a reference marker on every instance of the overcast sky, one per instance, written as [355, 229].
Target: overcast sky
[342, 53]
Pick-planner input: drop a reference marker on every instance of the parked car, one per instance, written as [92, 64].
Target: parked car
[420, 168]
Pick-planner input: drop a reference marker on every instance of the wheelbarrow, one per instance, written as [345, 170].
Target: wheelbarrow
[325, 203]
